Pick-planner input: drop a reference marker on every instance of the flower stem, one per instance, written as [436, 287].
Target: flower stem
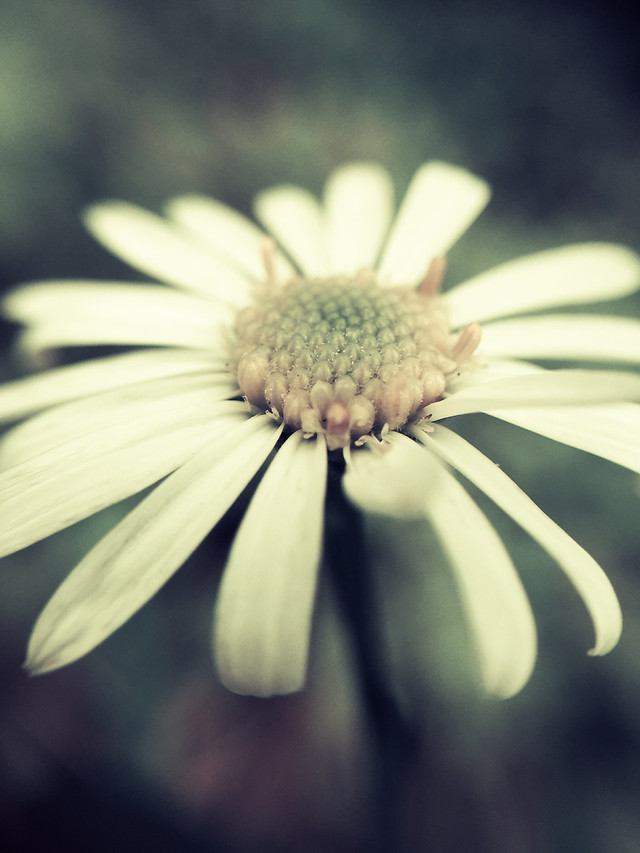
[393, 736]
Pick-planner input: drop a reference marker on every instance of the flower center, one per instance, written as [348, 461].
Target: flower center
[343, 356]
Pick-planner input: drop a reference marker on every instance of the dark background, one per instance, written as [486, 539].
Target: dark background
[136, 748]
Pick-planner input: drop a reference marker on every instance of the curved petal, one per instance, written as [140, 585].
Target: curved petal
[62, 313]
[564, 336]
[24, 396]
[359, 206]
[296, 220]
[59, 480]
[441, 203]
[128, 566]
[610, 432]
[228, 234]
[263, 614]
[540, 388]
[586, 272]
[495, 603]
[153, 246]
[582, 570]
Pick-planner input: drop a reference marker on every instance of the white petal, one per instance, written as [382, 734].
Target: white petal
[296, 220]
[496, 605]
[200, 397]
[56, 481]
[586, 575]
[489, 371]
[35, 341]
[23, 396]
[441, 203]
[264, 609]
[543, 388]
[564, 336]
[228, 234]
[105, 312]
[610, 432]
[390, 479]
[359, 206]
[153, 246]
[40, 300]
[127, 567]
[588, 272]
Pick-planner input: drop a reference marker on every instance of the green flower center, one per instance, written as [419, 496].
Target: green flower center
[343, 356]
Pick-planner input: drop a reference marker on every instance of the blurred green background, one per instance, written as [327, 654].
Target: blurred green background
[136, 747]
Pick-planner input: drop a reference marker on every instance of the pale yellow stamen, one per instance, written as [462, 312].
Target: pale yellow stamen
[268, 249]
[431, 283]
[468, 342]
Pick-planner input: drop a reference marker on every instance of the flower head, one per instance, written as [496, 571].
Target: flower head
[333, 344]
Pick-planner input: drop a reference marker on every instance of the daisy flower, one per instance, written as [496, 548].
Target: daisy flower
[326, 343]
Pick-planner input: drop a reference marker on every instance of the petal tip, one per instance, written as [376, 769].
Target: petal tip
[40, 664]
[608, 642]
[261, 686]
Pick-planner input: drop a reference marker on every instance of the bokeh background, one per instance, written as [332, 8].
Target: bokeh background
[136, 747]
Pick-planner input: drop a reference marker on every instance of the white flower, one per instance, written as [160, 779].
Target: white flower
[340, 347]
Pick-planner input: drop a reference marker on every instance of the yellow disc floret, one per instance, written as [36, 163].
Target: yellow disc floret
[343, 356]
